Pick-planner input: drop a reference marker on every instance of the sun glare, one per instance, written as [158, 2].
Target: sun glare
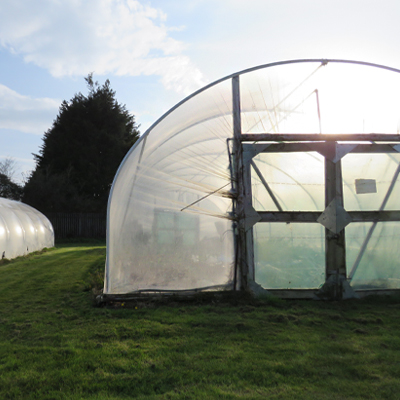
[317, 98]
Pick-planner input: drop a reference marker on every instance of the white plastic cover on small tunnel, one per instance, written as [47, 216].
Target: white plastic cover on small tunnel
[170, 209]
[23, 229]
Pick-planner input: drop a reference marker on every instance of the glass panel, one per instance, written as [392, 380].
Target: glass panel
[289, 256]
[379, 266]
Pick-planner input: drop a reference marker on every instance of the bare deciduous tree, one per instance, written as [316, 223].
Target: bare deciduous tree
[8, 167]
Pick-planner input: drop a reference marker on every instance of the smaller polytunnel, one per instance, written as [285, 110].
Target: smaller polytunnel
[23, 229]
[285, 175]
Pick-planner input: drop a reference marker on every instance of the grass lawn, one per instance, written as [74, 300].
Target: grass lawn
[55, 344]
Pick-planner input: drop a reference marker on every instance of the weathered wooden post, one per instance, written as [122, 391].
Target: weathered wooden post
[245, 214]
[241, 270]
[335, 219]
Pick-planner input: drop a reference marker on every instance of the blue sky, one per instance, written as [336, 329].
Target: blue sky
[157, 52]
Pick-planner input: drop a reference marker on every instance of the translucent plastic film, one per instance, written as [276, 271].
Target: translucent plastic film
[22, 229]
[320, 98]
[371, 182]
[171, 216]
[295, 179]
[170, 225]
[289, 256]
[377, 267]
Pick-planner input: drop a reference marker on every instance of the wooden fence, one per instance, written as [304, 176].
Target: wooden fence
[78, 225]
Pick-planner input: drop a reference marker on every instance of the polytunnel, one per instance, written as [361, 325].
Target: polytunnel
[282, 178]
[23, 229]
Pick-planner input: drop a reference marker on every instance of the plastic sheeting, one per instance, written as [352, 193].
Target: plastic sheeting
[170, 222]
[169, 225]
[23, 229]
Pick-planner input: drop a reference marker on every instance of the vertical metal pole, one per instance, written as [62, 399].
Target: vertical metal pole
[335, 249]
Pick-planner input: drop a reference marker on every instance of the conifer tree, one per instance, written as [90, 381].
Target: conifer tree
[81, 153]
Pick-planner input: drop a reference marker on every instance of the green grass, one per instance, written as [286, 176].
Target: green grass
[54, 344]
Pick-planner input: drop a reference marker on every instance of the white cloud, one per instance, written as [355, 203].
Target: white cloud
[75, 37]
[24, 113]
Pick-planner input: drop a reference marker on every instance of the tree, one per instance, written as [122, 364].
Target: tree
[9, 189]
[8, 167]
[81, 152]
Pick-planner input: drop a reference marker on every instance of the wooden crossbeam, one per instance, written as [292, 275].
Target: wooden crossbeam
[317, 137]
[312, 216]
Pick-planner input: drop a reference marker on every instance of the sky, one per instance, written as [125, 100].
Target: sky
[157, 52]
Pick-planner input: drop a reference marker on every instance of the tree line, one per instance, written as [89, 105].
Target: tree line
[80, 154]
